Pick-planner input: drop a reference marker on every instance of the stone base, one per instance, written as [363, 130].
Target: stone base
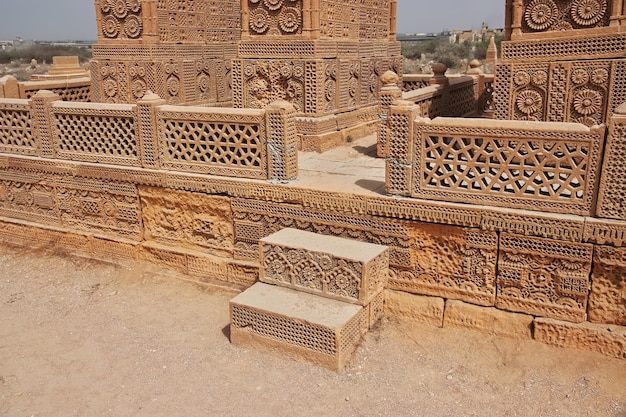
[609, 340]
[488, 320]
[422, 309]
[299, 325]
[326, 141]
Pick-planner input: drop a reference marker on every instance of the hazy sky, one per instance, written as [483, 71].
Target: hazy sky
[75, 19]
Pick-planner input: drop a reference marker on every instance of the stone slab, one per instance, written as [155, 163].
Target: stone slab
[422, 309]
[487, 319]
[298, 324]
[333, 267]
[608, 340]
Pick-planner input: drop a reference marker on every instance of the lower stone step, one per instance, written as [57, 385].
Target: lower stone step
[298, 324]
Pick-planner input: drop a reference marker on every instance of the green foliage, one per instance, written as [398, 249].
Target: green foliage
[450, 54]
[43, 53]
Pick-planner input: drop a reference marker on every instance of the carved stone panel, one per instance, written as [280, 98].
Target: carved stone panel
[188, 220]
[559, 15]
[120, 19]
[342, 269]
[275, 17]
[446, 261]
[543, 277]
[557, 92]
[28, 196]
[100, 206]
[607, 301]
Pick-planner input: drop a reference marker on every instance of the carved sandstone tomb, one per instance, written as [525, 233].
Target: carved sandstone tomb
[325, 57]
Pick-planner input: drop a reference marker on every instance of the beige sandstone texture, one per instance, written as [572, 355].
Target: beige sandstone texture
[188, 220]
[416, 308]
[607, 339]
[488, 320]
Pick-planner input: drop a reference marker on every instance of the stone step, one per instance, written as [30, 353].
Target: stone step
[332, 267]
[298, 324]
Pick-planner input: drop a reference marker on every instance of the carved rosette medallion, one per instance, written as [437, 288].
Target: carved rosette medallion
[541, 14]
[544, 15]
[121, 19]
[138, 84]
[588, 12]
[275, 17]
[589, 94]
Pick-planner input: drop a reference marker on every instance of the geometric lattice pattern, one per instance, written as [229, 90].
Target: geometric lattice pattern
[97, 138]
[509, 165]
[15, 131]
[223, 147]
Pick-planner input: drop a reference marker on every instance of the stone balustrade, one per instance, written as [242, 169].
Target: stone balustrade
[244, 143]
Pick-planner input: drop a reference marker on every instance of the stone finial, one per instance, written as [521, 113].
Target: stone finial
[150, 96]
[492, 52]
[439, 74]
[389, 78]
[474, 67]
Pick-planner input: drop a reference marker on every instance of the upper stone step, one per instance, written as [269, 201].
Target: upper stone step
[332, 267]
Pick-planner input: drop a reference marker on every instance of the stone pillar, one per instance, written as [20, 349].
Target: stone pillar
[282, 142]
[148, 134]
[389, 93]
[43, 126]
[517, 16]
[9, 87]
[439, 75]
[399, 166]
[612, 192]
[245, 20]
[617, 11]
[150, 21]
[315, 19]
[393, 19]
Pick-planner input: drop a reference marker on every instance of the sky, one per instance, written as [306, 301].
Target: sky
[75, 19]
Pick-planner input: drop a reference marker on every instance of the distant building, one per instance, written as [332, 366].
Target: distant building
[480, 35]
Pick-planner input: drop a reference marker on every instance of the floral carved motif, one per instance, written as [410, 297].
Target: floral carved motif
[275, 17]
[274, 80]
[550, 15]
[121, 19]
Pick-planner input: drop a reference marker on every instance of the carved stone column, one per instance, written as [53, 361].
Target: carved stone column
[282, 141]
[42, 121]
[148, 136]
[518, 14]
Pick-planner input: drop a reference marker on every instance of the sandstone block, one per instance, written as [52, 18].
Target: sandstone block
[428, 310]
[607, 300]
[608, 340]
[487, 319]
[543, 277]
[297, 324]
[338, 268]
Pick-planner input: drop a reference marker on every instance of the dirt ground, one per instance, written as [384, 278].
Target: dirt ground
[85, 338]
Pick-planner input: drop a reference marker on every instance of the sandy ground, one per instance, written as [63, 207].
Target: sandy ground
[86, 338]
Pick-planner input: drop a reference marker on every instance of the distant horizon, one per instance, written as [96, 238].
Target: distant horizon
[75, 20]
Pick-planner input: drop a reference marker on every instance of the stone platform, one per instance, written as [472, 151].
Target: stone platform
[298, 324]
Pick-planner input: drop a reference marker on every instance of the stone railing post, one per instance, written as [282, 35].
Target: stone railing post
[43, 127]
[148, 134]
[401, 130]
[439, 79]
[9, 87]
[282, 141]
[612, 191]
[389, 93]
